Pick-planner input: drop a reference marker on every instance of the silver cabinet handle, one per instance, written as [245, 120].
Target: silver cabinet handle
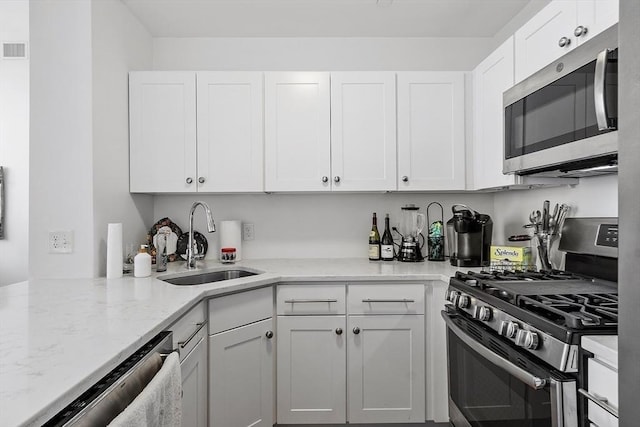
[599, 92]
[580, 31]
[532, 381]
[564, 41]
[189, 180]
[269, 334]
[305, 301]
[356, 330]
[405, 178]
[338, 331]
[336, 179]
[600, 401]
[404, 300]
[325, 179]
[201, 180]
[185, 343]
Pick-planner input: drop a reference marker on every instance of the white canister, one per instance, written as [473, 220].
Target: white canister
[142, 263]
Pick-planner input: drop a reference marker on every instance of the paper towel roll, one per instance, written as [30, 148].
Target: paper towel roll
[114, 251]
[231, 236]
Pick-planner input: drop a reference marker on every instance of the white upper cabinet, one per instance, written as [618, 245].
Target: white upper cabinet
[230, 132]
[162, 115]
[178, 145]
[363, 131]
[297, 131]
[431, 131]
[491, 78]
[559, 27]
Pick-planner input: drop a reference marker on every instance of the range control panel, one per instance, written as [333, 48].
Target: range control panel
[607, 235]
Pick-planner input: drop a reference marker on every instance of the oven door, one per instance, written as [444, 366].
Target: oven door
[492, 384]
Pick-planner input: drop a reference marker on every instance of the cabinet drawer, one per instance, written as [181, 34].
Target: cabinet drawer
[240, 309]
[187, 328]
[386, 299]
[310, 299]
[603, 383]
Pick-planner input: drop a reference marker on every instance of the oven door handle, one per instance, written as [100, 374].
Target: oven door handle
[522, 375]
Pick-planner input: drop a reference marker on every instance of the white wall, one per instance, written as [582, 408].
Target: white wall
[120, 44]
[319, 54]
[307, 225]
[61, 175]
[595, 196]
[14, 143]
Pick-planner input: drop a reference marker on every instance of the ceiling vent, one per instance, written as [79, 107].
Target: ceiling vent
[14, 50]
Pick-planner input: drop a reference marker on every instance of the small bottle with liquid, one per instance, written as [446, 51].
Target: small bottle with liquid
[142, 262]
[374, 240]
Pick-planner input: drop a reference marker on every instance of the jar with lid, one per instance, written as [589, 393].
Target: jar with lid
[228, 255]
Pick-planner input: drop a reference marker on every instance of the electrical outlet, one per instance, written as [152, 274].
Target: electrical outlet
[248, 232]
[61, 242]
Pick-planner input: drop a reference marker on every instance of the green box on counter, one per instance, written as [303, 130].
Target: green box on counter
[514, 257]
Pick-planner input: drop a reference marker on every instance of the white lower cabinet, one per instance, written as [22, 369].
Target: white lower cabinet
[241, 376]
[241, 352]
[386, 369]
[194, 385]
[311, 369]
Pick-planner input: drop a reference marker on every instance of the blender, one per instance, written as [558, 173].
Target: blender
[412, 223]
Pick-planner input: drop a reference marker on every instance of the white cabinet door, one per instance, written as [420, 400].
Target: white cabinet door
[363, 131]
[386, 369]
[491, 78]
[230, 131]
[194, 386]
[297, 131]
[431, 126]
[241, 376]
[596, 16]
[311, 369]
[538, 41]
[162, 121]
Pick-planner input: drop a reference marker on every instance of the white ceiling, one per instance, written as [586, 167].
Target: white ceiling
[325, 18]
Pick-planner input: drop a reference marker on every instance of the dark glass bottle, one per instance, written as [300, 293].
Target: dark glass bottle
[374, 241]
[386, 246]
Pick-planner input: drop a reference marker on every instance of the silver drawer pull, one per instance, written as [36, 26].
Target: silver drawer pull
[304, 301]
[389, 300]
[600, 401]
[185, 343]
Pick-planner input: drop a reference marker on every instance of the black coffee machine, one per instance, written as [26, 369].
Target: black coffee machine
[469, 237]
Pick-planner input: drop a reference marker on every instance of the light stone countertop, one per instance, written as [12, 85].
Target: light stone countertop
[58, 337]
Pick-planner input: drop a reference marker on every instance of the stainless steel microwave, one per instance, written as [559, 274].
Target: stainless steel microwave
[562, 120]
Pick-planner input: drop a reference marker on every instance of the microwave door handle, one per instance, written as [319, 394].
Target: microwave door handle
[519, 373]
[599, 90]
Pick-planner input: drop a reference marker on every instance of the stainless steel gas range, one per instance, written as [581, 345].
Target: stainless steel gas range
[513, 338]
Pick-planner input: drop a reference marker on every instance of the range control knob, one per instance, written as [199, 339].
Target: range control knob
[464, 301]
[483, 313]
[527, 339]
[509, 329]
[452, 297]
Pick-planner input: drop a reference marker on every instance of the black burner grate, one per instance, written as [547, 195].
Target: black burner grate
[576, 311]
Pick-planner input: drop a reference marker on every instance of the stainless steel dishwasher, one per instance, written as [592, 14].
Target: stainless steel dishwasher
[99, 405]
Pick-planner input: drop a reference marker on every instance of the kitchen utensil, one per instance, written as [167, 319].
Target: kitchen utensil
[411, 225]
[435, 236]
[545, 216]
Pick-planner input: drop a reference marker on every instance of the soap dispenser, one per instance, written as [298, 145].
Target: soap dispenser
[142, 263]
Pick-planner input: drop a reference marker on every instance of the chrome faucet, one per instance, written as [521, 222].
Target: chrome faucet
[211, 226]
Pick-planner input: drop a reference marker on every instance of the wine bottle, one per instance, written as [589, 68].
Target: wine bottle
[374, 241]
[386, 247]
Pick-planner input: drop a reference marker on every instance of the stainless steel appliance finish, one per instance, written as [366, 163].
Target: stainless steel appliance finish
[586, 150]
[518, 333]
[99, 405]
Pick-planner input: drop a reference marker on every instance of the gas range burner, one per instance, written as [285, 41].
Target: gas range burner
[575, 311]
[528, 275]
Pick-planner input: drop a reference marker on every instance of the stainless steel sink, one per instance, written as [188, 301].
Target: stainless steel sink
[208, 277]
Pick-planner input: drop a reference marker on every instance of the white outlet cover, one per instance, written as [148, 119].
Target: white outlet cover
[61, 242]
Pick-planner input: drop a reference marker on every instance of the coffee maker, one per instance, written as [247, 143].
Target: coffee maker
[412, 223]
[469, 237]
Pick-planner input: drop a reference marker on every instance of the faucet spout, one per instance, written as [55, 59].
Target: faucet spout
[211, 227]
